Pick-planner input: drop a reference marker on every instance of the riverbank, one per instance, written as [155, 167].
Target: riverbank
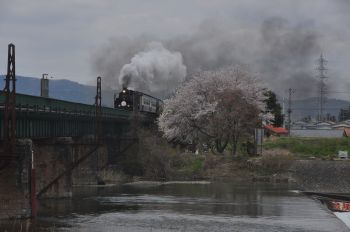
[157, 160]
[324, 176]
[317, 167]
[273, 167]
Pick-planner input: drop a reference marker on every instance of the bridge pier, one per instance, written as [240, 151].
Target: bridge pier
[88, 171]
[52, 157]
[59, 163]
[62, 163]
[15, 184]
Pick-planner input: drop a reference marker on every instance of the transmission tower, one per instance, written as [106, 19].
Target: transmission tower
[322, 85]
[290, 92]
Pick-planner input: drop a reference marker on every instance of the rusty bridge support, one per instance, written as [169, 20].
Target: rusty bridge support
[17, 175]
[9, 123]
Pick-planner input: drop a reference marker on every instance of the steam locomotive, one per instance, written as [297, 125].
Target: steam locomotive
[137, 101]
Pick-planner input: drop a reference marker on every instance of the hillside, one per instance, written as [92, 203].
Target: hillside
[61, 89]
[310, 106]
[73, 91]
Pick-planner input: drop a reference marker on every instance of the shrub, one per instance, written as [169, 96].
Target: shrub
[275, 161]
[210, 161]
[272, 161]
[197, 165]
[156, 156]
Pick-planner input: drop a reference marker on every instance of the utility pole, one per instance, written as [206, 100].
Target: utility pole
[290, 92]
[98, 105]
[322, 85]
[9, 122]
[98, 130]
[283, 113]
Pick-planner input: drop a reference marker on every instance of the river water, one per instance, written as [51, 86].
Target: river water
[189, 206]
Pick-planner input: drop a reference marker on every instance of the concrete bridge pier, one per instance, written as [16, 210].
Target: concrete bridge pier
[49, 168]
[15, 184]
[52, 158]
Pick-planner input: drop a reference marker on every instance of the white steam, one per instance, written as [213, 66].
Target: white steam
[155, 70]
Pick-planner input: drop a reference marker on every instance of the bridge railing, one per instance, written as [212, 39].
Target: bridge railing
[39, 117]
[40, 104]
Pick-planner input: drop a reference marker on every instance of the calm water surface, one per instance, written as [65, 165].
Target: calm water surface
[187, 207]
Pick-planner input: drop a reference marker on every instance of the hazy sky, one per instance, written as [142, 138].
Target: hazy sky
[62, 37]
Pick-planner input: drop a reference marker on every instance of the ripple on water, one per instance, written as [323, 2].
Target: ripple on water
[199, 207]
[167, 221]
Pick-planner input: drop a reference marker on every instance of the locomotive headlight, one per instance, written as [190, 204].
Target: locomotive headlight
[123, 103]
[124, 91]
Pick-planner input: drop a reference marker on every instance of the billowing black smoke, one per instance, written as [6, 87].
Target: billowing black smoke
[288, 58]
[281, 53]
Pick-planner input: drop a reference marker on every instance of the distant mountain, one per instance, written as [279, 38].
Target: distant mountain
[61, 89]
[310, 107]
[75, 92]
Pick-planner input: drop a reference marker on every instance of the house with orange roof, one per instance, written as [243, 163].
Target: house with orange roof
[346, 132]
[271, 130]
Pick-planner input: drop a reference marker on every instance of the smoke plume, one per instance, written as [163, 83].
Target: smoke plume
[289, 56]
[155, 70]
[281, 53]
[110, 58]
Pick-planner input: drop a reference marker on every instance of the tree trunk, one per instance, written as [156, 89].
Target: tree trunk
[234, 149]
[220, 147]
[235, 139]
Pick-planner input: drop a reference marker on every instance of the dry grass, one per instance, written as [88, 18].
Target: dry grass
[272, 161]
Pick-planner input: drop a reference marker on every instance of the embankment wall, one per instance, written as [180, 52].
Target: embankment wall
[322, 176]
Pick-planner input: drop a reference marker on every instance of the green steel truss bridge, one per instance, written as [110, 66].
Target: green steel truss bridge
[39, 117]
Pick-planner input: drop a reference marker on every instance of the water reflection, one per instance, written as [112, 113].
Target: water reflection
[187, 207]
[216, 198]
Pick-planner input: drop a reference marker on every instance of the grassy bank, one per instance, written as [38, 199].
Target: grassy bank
[153, 158]
[166, 163]
[156, 159]
[324, 148]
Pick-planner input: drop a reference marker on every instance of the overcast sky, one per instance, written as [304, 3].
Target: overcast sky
[62, 37]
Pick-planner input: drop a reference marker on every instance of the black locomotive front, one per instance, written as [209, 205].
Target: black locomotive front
[125, 100]
[137, 101]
